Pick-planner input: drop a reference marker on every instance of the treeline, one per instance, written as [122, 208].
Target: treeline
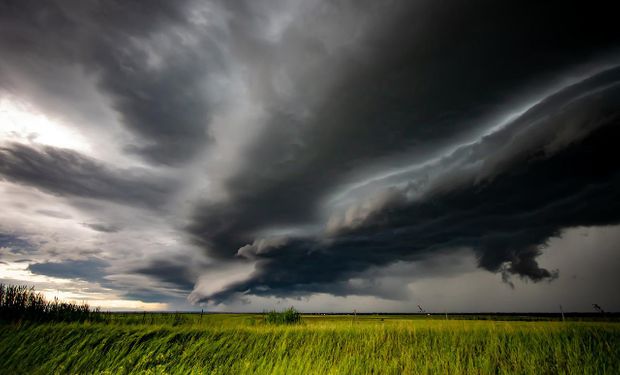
[22, 303]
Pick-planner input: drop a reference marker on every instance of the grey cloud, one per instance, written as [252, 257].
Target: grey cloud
[177, 274]
[524, 263]
[67, 173]
[107, 275]
[151, 295]
[261, 246]
[558, 121]
[89, 270]
[105, 228]
[15, 243]
[54, 214]
[360, 214]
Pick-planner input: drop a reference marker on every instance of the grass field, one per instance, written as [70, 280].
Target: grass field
[244, 344]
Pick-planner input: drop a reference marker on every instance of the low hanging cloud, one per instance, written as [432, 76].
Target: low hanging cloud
[89, 270]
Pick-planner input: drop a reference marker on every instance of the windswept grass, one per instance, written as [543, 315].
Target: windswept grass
[245, 344]
[41, 337]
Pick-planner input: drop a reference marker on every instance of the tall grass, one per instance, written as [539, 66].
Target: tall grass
[177, 343]
[22, 303]
[320, 346]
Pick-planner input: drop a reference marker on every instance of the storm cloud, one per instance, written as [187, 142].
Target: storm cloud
[405, 92]
[289, 148]
[92, 270]
[67, 173]
[409, 101]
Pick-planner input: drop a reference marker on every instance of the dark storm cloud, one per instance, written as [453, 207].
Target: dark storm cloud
[67, 173]
[504, 197]
[416, 83]
[150, 295]
[172, 280]
[137, 51]
[176, 273]
[89, 270]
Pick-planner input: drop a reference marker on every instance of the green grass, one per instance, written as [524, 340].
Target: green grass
[245, 344]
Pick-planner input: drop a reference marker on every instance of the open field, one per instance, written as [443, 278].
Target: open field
[333, 344]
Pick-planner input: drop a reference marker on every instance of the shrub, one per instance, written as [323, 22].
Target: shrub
[288, 316]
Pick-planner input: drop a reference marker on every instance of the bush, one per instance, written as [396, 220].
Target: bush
[288, 316]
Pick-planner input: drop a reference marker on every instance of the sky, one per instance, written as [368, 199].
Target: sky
[244, 155]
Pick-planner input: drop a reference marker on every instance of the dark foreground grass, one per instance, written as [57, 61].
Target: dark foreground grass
[242, 344]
